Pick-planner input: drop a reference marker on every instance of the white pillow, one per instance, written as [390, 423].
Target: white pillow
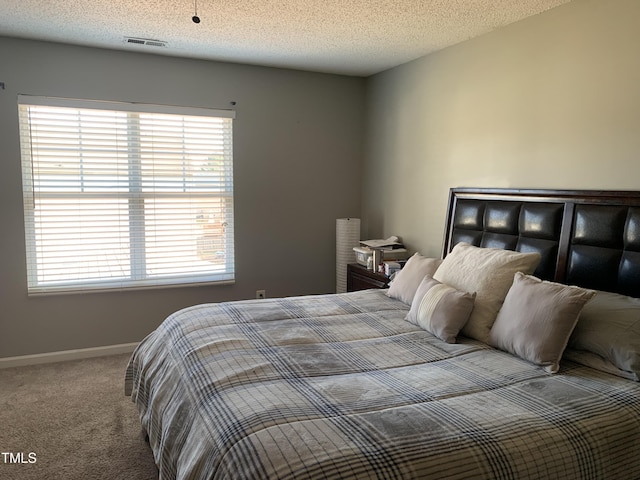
[489, 273]
[440, 309]
[406, 281]
[609, 326]
[537, 318]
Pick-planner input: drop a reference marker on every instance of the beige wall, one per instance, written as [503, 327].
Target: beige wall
[297, 150]
[549, 102]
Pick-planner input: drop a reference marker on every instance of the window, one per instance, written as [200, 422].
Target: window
[121, 195]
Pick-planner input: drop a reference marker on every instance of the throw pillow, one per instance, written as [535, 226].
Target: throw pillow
[537, 318]
[440, 309]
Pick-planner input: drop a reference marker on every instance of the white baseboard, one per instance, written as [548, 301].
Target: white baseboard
[65, 355]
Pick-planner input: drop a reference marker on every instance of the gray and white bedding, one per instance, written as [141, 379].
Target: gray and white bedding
[342, 386]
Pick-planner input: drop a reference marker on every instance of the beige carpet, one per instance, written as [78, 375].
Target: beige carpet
[71, 421]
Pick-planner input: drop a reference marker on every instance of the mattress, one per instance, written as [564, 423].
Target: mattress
[342, 386]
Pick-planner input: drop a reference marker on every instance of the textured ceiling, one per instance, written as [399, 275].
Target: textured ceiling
[352, 37]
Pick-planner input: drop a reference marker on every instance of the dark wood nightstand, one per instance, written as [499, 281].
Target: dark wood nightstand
[360, 278]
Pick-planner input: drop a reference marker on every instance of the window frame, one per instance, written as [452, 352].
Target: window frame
[139, 277]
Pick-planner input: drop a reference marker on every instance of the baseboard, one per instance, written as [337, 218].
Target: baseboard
[66, 355]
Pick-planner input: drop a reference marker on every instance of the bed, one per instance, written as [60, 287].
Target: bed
[514, 356]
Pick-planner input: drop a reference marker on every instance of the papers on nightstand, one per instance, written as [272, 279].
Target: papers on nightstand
[392, 249]
[386, 244]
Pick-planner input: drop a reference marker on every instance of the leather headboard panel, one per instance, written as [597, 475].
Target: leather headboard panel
[605, 248]
[589, 238]
[511, 226]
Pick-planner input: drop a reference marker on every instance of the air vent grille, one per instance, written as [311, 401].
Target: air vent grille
[148, 42]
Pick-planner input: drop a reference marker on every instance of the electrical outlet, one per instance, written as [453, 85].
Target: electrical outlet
[261, 294]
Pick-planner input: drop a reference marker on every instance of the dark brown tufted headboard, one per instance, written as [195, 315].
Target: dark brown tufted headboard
[589, 238]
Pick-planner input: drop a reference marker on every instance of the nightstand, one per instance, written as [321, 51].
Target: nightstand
[360, 278]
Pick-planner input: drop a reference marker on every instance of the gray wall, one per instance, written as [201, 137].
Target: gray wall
[552, 101]
[298, 140]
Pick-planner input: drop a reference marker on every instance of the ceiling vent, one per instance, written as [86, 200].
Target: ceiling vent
[147, 42]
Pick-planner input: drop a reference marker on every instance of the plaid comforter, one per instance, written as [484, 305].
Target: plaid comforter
[341, 386]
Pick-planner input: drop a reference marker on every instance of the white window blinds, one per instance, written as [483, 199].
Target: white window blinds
[123, 195]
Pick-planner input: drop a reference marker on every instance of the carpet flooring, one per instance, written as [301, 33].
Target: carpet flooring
[71, 420]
